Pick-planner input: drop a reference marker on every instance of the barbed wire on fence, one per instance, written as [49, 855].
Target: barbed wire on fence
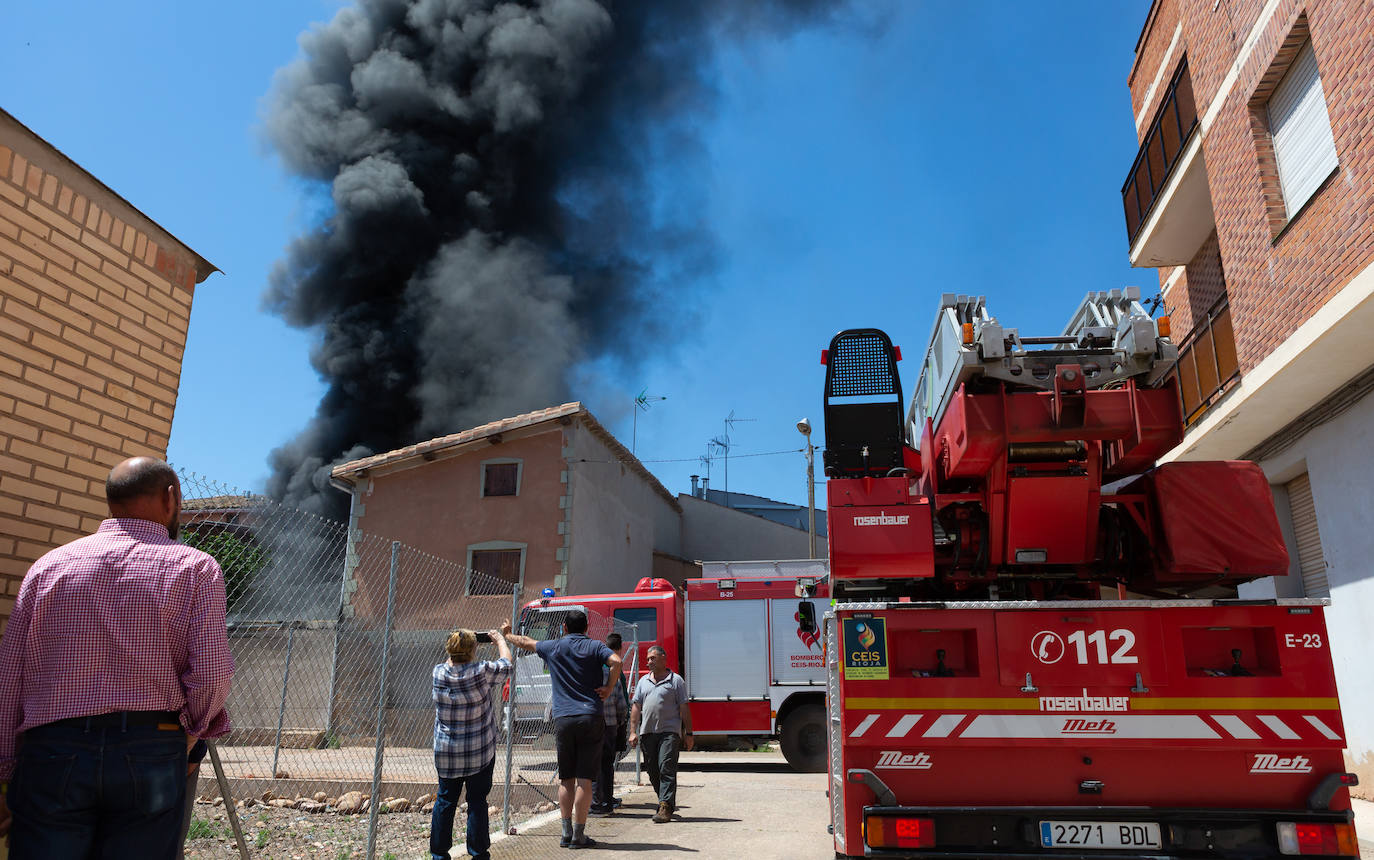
[335, 635]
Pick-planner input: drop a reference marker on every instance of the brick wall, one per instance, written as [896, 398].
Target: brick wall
[1158, 33]
[1196, 289]
[1278, 272]
[95, 299]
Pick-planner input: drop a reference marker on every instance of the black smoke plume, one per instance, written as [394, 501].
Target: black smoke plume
[491, 219]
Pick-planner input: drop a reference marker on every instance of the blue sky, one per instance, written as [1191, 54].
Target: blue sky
[850, 174]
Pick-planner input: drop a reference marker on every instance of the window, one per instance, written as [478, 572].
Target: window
[501, 478]
[647, 619]
[1304, 148]
[494, 566]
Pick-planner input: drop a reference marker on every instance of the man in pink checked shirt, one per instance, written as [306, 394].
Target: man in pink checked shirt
[114, 662]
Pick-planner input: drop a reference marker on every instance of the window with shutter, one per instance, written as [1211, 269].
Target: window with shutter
[501, 479]
[503, 563]
[1304, 148]
[1311, 562]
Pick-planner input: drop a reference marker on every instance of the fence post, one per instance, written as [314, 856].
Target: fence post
[281, 712]
[510, 713]
[381, 705]
[229, 808]
[634, 682]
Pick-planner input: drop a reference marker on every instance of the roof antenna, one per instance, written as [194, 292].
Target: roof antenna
[642, 403]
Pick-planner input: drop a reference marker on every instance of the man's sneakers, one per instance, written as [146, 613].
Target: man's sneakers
[664, 814]
[584, 842]
[602, 811]
[616, 801]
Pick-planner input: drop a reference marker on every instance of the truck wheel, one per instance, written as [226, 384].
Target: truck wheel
[803, 739]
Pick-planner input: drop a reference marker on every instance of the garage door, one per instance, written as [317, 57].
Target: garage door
[1310, 559]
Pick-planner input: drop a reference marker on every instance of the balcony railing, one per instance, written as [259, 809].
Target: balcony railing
[1207, 364]
[1162, 147]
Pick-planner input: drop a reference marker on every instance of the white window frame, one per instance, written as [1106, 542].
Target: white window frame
[1300, 128]
[490, 545]
[482, 476]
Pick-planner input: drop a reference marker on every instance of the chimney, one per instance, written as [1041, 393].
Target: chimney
[695, 478]
[705, 485]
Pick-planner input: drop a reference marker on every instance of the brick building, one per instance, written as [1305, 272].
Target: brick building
[1253, 194]
[95, 299]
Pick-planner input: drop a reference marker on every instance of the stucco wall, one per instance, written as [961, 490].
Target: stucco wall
[716, 533]
[617, 518]
[1336, 458]
[437, 507]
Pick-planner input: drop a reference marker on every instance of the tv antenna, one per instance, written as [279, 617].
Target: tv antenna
[642, 403]
[722, 444]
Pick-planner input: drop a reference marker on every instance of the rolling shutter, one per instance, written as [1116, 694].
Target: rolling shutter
[1310, 560]
[1301, 128]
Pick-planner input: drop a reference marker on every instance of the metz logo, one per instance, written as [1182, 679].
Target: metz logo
[894, 760]
[1089, 727]
[1271, 763]
[882, 520]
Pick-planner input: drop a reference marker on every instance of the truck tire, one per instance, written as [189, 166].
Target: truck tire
[804, 739]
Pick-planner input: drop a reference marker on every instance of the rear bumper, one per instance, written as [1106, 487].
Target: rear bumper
[1186, 834]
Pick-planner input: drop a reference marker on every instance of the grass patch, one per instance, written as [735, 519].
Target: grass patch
[264, 837]
[202, 829]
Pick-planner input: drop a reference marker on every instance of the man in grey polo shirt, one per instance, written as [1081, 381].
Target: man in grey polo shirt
[660, 718]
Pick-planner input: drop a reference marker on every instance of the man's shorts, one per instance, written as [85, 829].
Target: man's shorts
[578, 740]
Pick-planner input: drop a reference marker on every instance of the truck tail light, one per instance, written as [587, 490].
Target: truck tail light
[899, 831]
[1308, 838]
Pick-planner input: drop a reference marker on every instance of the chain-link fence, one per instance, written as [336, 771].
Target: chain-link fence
[335, 635]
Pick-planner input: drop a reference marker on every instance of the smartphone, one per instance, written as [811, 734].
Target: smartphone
[483, 636]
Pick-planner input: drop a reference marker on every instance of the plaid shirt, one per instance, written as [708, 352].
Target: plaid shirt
[464, 719]
[616, 708]
[125, 619]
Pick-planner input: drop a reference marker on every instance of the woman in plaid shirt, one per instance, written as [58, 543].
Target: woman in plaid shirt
[465, 738]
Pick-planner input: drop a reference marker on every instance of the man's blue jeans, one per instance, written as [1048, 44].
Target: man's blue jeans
[441, 824]
[92, 792]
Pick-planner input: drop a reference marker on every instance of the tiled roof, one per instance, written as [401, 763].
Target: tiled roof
[434, 448]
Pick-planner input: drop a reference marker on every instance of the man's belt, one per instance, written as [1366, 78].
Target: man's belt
[170, 720]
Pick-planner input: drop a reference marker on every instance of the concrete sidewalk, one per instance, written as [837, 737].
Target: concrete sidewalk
[1364, 826]
[729, 805]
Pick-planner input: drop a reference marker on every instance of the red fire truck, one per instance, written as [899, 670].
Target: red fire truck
[747, 645]
[1036, 647]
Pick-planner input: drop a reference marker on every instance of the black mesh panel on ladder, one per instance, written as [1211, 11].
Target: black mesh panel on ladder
[864, 433]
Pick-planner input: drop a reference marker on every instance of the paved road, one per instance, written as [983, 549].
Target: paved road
[729, 805]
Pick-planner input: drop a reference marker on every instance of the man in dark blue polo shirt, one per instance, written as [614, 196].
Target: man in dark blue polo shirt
[575, 671]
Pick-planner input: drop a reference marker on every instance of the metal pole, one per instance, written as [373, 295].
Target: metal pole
[811, 493]
[228, 799]
[281, 711]
[510, 714]
[381, 705]
[350, 556]
[634, 682]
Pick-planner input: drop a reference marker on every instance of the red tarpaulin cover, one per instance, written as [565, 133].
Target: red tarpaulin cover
[1217, 518]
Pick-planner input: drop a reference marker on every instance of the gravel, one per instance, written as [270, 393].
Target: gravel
[274, 833]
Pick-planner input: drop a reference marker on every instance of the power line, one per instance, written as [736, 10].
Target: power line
[692, 459]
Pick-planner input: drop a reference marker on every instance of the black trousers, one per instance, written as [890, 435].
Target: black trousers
[604, 787]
